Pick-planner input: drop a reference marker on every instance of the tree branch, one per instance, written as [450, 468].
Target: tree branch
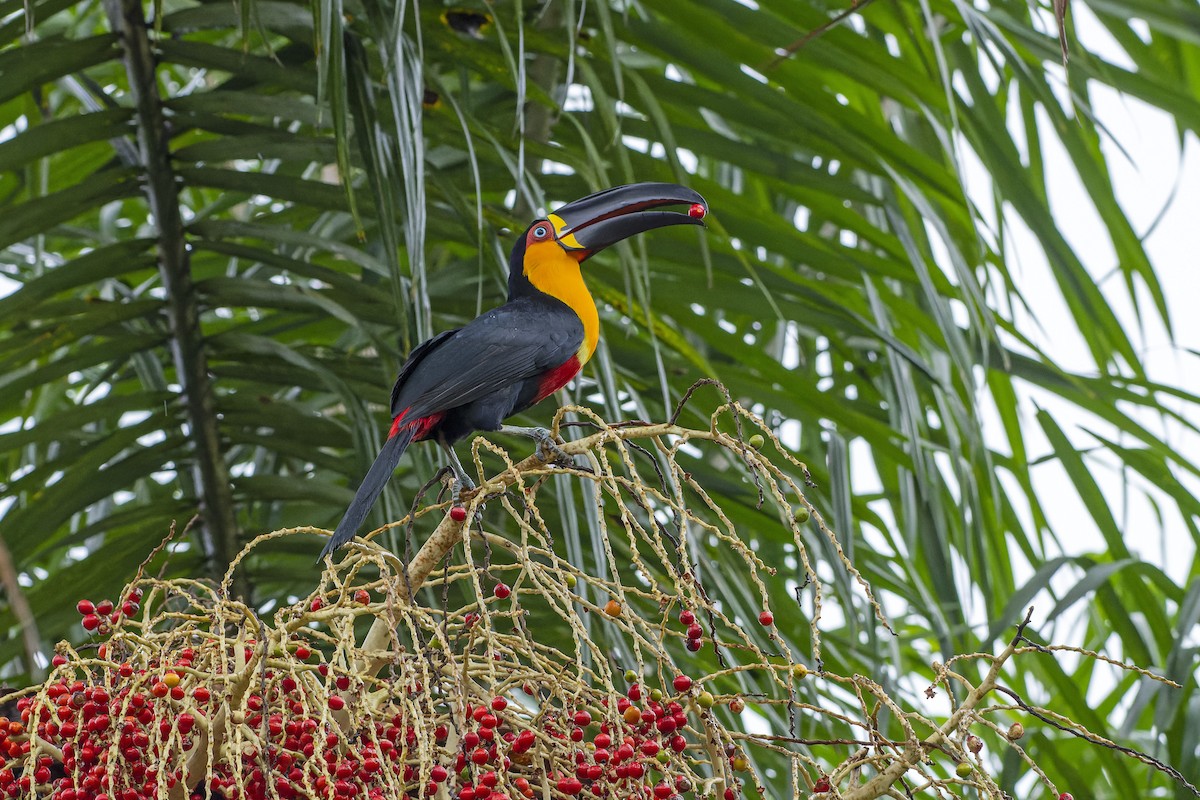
[211, 474]
[22, 611]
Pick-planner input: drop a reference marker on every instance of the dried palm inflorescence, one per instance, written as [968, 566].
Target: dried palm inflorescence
[516, 671]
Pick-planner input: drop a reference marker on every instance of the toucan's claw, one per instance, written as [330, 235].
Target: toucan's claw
[550, 452]
[462, 481]
[548, 449]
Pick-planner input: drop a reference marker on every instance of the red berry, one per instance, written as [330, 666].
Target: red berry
[317, 604]
[458, 513]
[104, 607]
[499, 704]
[501, 591]
[697, 211]
[766, 618]
[822, 785]
[303, 653]
[1066, 796]
[438, 773]
[662, 791]
[58, 660]
[582, 719]
[85, 607]
[362, 597]
[686, 617]
[479, 756]
[634, 693]
[90, 622]
[336, 703]
[570, 785]
[694, 644]
[682, 683]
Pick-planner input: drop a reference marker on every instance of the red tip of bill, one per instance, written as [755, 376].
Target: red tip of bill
[697, 211]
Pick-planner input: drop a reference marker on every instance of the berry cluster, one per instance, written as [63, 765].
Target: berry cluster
[100, 617]
[117, 728]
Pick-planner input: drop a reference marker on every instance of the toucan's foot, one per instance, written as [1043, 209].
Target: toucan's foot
[462, 481]
[548, 449]
[550, 452]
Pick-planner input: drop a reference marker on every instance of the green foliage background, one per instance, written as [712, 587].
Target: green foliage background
[847, 289]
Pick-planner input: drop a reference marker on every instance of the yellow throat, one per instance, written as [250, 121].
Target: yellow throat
[552, 271]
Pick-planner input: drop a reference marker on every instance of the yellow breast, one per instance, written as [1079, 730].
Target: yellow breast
[552, 271]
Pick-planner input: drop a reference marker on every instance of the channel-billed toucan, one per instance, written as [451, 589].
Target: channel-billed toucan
[502, 362]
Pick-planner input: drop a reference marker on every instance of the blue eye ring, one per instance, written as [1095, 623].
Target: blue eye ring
[540, 232]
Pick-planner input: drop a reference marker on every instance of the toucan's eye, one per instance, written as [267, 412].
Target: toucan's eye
[541, 232]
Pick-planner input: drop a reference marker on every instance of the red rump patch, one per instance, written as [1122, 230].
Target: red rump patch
[557, 378]
[421, 425]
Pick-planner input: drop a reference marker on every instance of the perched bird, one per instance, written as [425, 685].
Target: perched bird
[474, 377]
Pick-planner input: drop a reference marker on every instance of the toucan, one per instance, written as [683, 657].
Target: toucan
[505, 360]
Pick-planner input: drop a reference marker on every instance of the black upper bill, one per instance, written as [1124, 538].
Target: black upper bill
[605, 218]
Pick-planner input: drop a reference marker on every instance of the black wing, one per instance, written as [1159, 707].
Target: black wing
[414, 358]
[501, 348]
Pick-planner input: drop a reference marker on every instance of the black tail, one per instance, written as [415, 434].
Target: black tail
[369, 490]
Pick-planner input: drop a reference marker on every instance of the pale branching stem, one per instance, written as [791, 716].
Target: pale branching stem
[915, 749]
